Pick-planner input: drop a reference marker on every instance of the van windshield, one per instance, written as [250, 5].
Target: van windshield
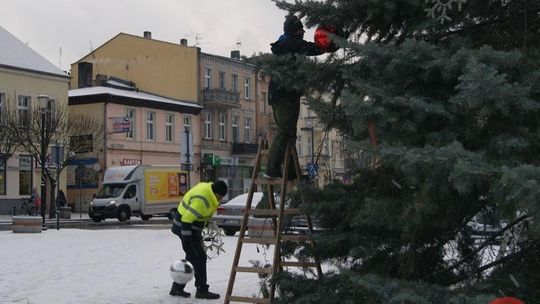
[111, 190]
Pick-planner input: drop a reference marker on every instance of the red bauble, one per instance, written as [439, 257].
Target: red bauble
[506, 300]
[323, 40]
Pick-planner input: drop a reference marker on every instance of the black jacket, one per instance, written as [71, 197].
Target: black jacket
[289, 44]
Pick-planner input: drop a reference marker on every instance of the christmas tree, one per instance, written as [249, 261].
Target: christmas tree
[438, 103]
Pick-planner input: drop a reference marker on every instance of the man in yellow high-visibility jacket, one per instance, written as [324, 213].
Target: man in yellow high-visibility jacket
[194, 212]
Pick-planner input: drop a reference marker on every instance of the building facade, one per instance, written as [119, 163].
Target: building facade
[146, 94]
[229, 120]
[24, 74]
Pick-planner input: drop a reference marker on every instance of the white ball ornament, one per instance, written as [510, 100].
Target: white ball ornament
[181, 271]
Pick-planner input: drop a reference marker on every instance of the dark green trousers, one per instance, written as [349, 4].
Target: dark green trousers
[286, 113]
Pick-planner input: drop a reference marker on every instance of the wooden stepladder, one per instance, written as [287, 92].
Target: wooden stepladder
[277, 214]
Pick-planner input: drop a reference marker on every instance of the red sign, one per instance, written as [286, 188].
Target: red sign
[130, 162]
[121, 124]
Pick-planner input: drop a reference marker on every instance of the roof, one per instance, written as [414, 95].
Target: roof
[15, 54]
[130, 97]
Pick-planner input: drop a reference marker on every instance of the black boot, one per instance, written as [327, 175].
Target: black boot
[203, 293]
[178, 290]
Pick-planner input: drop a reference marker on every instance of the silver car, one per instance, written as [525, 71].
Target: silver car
[229, 215]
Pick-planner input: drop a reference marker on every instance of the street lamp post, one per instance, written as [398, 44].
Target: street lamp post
[188, 161]
[43, 102]
[81, 168]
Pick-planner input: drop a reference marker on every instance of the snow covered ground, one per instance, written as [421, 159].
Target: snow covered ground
[109, 266]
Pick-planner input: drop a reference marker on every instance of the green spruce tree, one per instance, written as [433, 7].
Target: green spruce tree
[445, 207]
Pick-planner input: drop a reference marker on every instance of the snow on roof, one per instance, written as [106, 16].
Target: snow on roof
[129, 94]
[16, 54]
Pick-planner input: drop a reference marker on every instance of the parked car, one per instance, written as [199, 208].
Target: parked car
[229, 215]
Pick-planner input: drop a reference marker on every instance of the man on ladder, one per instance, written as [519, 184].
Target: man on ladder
[284, 98]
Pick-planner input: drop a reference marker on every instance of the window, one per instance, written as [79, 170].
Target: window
[2, 105]
[207, 125]
[187, 122]
[150, 125]
[51, 109]
[247, 94]
[235, 83]
[208, 78]
[264, 101]
[131, 114]
[247, 130]
[131, 192]
[3, 166]
[222, 80]
[23, 110]
[299, 145]
[310, 146]
[169, 128]
[221, 126]
[326, 146]
[25, 174]
[81, 143]
[235, 130]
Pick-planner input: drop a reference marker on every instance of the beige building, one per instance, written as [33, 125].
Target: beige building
[316, 145]
[146, 94]
[24, 74]
[229, 120]
[266, 126]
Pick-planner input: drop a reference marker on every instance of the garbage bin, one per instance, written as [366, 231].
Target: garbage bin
[65, 212]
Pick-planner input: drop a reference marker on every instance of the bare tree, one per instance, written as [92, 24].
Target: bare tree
[53, 137]
[8, 140]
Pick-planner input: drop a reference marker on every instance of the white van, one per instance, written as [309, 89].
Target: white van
[141, 190]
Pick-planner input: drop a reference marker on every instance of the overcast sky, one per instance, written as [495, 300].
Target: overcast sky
[77, 26]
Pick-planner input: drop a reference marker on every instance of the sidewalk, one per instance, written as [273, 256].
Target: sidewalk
[74, 216]
[6, 218]
[81, 220]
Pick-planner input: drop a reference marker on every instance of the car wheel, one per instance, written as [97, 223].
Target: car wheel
[123, 214]
[145, 217]
[96, 219]
[229, 232]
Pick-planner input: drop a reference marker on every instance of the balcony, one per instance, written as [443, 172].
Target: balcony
[215, 144]
[220, 98]
[243, 148]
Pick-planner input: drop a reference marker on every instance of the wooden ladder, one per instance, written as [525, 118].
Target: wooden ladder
[277, 215]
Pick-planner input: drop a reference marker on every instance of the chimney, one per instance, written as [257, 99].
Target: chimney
[183, 42]
[147, 34]
[235, 54]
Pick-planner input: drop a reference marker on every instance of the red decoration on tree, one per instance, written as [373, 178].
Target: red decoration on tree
[506, 300]
[323, 40]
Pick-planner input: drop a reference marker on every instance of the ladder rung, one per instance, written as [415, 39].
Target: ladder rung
[270, 241]
[298, 264]
[296, 238]
[266, 181]
[293, 212]
[264, 152]
[249, 300]
[274, 212]
[254, 269]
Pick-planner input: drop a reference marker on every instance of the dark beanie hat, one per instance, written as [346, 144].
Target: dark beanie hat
[220, 188]
[292, 24]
